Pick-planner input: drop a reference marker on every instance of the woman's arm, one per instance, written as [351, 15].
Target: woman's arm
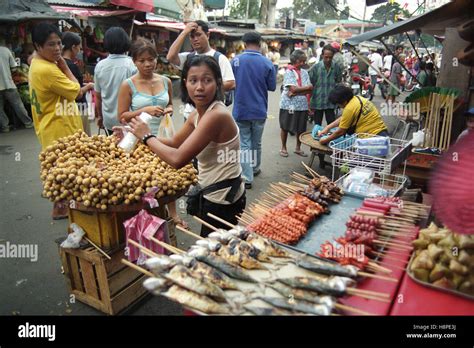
[294, 90]
[199, 138]
[169, 107]
[124, 102]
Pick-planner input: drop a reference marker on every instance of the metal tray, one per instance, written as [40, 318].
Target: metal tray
[429, 285]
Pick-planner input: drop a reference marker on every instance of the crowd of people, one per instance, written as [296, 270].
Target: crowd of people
[126, 84]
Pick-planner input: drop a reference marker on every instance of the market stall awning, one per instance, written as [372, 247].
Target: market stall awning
[434, 22]
[139, 5]
[18, 10]
[167, 8]
[86, 12]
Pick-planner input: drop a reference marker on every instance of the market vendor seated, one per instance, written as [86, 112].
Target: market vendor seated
[359, 115]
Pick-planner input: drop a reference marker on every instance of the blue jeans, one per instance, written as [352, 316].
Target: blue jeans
[251, 147]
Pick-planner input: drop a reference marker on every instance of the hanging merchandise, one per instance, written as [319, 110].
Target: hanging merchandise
[99, 34]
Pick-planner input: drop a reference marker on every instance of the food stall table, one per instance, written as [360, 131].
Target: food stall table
[423, 300]
[315, 146]
[332, 226]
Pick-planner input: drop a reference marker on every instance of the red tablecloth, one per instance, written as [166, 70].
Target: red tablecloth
[422, 300]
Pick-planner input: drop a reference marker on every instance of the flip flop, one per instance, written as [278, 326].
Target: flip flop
[283, 153]
[301, 153]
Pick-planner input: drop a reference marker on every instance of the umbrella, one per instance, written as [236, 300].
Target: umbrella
[452, 187]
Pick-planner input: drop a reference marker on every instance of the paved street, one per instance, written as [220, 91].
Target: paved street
[39, 288]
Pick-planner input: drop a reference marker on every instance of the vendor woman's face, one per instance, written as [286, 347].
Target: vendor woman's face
[201, 85]
[146, 63]
[51, 50]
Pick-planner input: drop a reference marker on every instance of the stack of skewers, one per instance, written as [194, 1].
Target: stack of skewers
[286, 211]
[381, 228]
[239, 272]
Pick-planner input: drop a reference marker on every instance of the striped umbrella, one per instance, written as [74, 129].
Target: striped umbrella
[452, 187]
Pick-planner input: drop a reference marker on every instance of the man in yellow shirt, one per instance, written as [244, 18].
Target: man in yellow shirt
[359, 115]
[53, 88]
[53, 91]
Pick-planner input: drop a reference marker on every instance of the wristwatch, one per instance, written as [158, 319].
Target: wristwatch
[146, 137]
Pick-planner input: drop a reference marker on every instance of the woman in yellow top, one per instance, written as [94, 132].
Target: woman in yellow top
[53, 91]
[357, 112]
[53, 88]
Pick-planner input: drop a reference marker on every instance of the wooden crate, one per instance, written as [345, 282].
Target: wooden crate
[107, 285]
[105, 228]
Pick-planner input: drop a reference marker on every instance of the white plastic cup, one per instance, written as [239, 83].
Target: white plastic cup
[129, 141]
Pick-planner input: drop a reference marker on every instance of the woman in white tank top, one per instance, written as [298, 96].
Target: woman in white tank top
[210, 134]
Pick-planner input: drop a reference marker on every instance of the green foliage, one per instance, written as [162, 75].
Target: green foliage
[238, 9]
[316, 10]
[285, 12]
[389, 12]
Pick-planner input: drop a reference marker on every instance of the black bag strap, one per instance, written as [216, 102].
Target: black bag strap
[360, 112]
[234, 184]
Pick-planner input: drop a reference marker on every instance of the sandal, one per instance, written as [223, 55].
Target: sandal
[283, 153]
[300, 153]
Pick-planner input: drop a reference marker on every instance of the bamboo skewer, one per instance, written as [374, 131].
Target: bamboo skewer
[389, 257]
[189, 233]
[376, 276]
[138, 268]
[373, 293]
[355, 292]
[167, 246]
[351, 309]
[143, 249]
[221, 220]
[205, 223]
[392, 244]
[379, 268]
[99, 249]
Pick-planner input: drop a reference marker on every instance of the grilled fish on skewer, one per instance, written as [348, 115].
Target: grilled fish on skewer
[183, 277]
[267, 310]
[234, 255]
[212, 274]
[301, 306]
[229, 239]
[300, 294]
[333, 287]
[250, 250]
[159, 263]
[183, 296]
[231, 253]
[328, 268]
[266, 246]
[237, 272]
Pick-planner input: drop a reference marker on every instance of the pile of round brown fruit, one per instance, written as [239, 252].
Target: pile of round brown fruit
[97, 173]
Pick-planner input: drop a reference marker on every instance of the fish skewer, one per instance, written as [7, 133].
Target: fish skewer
[211, 273]
[160, 286]
[231, 253]
[301, 306]
[233, 271]
[332, 287]
[183, 277]
[311, 296]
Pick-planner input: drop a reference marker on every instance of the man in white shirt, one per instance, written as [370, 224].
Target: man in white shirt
[375, 62]
[319, 51]
[198, 33]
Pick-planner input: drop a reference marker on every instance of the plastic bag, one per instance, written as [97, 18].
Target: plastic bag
[418, 138]
[166, 129]
[140, 228]
[374, 146]
[73, 239]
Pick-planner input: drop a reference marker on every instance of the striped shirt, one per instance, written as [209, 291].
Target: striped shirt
[323, 82]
